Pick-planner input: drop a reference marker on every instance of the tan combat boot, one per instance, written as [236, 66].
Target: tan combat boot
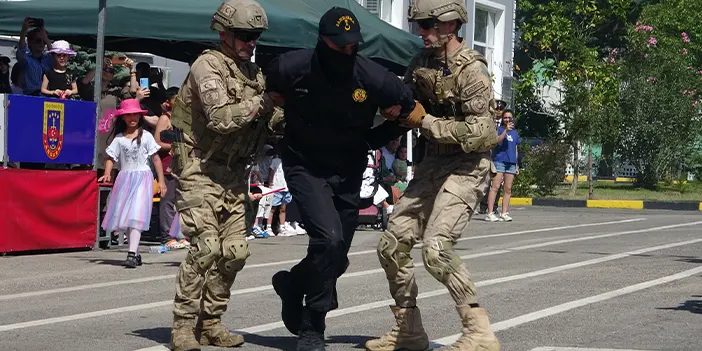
[183, 335]
[477, 335]
[211, 332]
[407, 334]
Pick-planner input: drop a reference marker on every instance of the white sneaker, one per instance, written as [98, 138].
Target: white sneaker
[269, 231]
[505, 217]
[491, 217]
[298, 229]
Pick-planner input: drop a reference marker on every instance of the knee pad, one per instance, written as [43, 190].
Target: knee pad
[234, 255]
[440, 259]
[205, 253]
[392, 254]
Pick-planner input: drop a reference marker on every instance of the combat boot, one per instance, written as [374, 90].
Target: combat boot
[183, 335]
[210, 331]
[312, 326]
[477, 334]
[407, 334]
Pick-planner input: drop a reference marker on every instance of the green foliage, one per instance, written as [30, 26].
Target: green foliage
[661, 86]
[543, 169]
[84, 61]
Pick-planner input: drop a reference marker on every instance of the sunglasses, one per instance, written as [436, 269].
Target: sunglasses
[246, 36]
[426, 23]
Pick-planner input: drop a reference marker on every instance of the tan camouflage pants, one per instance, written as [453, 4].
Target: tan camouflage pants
[435, 209]
[210, 201]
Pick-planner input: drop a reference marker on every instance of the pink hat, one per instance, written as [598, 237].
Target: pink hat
[130, 106]
[61, 47]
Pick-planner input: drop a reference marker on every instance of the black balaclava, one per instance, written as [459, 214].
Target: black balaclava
[336, 66]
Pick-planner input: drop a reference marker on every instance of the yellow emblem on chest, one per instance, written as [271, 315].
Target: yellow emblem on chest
[359, 95]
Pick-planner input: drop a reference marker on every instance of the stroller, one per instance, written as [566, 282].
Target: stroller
[371, 210]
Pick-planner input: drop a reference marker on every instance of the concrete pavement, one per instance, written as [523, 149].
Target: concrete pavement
[572, 279]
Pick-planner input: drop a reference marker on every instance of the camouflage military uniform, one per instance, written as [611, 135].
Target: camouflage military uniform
[456, 90]
[225, 118]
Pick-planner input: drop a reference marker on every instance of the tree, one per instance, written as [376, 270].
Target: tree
[661, 88]
[84, 61]
[576, 36]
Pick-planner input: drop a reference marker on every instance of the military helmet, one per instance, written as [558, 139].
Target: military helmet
[440, 10]
[241, 15]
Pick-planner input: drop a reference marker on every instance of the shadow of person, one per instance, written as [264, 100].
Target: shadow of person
[160, 335]
[694, 306]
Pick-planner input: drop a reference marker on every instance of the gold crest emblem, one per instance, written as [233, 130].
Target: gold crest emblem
[347, 22]
[359, 95]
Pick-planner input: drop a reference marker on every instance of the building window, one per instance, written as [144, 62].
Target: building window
[373, 6]
[484, 34]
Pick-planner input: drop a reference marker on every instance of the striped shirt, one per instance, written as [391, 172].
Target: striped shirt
[33, 68]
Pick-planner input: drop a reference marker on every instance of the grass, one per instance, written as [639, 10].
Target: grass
[625, 191]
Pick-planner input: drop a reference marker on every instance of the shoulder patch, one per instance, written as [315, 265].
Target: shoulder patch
[210, 91]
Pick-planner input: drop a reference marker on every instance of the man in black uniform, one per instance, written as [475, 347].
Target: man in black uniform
[331, 96]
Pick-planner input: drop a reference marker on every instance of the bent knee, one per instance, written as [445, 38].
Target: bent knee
[439, 258]
[234, 255]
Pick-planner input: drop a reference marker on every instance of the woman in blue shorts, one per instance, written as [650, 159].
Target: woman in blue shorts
[505, 159]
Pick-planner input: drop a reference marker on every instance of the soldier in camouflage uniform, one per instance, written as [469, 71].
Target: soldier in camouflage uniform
[453, 84]
[225, 118]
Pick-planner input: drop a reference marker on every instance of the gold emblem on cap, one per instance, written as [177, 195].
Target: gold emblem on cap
[359, 95]
[347, 22]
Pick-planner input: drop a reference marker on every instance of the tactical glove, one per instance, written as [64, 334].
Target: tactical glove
[414, 120]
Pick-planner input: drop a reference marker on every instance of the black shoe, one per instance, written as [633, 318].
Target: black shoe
[311, 331]
[291, 300]
[133, 260]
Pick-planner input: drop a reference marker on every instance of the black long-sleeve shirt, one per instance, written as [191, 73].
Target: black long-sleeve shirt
[328, 126]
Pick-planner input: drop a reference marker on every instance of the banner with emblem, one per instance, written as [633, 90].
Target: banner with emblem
[44, 130]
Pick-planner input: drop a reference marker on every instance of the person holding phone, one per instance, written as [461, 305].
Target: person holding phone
[506, 159]
[32, 56]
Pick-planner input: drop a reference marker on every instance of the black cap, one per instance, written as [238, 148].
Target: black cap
[341, 26]
[500, 104]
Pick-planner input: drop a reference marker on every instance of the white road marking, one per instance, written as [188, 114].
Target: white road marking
[369, 306]
[512, 322]
[530, 317]
[278, 263]
[556, 348]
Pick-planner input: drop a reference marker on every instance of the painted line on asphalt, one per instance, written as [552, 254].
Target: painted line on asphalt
[380, 304]
[277, 263]
[551, 311]
[117, 310]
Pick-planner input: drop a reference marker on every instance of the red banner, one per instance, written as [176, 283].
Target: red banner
[47, 209]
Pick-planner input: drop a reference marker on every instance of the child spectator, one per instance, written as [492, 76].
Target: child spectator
[56, 81]
[280, 200]
[5, 87]
[130, 201]
[31, 56]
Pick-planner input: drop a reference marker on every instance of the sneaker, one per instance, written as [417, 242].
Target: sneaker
[269, 232]
[174, 244]
[250, 237]
[285, 232]
[259, 233]
[505, 217]
[185, 243]
[491, 217]
[299, 230]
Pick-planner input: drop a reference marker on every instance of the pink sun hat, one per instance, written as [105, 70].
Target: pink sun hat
[125, 107]
[61, 47]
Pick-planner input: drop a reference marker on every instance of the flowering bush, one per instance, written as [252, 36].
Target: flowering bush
[661, 81]
[543, 166]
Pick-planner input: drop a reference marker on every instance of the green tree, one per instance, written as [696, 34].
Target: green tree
[84, 61]
[661, 91]
[576, 37]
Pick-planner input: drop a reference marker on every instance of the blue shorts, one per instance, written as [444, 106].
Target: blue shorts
[506, 167]
[280, 198]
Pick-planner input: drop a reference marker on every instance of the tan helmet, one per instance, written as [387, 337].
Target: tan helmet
[440, 10]
[239, 14]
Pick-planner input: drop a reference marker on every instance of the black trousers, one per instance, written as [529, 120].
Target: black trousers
[328, 207]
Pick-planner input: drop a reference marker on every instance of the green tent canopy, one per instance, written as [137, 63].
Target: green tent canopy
[179, 29]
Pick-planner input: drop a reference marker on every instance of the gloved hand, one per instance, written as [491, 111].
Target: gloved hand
[414, 120]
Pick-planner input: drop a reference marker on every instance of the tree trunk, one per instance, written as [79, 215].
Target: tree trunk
[589, 172]
[576, 169]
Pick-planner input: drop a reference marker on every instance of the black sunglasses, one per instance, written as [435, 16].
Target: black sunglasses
[426, 23]
[246, 36]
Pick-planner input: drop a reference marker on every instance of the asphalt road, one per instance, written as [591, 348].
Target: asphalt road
[552, 280]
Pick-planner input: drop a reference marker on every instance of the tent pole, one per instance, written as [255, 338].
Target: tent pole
[97, 96]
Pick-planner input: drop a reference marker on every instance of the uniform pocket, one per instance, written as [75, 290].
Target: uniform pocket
[189, 211]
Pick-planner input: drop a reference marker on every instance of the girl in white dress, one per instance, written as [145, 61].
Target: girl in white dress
[131, 199]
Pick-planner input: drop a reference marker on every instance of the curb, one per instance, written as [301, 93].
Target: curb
[618, 204]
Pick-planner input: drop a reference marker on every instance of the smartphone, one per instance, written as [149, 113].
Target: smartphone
[144, 83]
[36, 22]
[119, 60]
